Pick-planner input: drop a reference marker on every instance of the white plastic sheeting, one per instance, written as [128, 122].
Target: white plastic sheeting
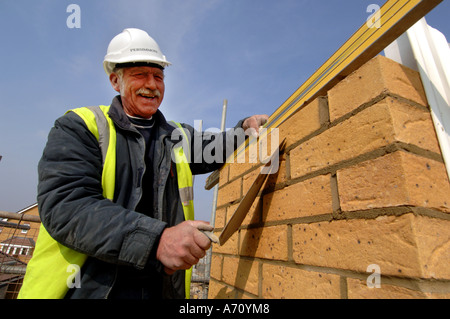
[426, 50]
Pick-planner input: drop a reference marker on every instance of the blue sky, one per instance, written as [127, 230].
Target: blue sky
[253, 53]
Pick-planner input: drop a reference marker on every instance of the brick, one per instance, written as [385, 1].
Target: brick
[253, 214]
[230, 247]
[229, 192]
[237, 169]
[230, 211]
[248, 180]
[218, 290]
[379, 75]
[307, 198]
[244, 295]
[266, 242]
[433, 241]
[358, 289]
[407, 245]
[219, 220]
[281, 282]
[256, 152]
[216, 267]
[395, 179]
[370, 129]
[272, 180]
[241, 273]
[414, 126]
[224, 173]
[279, 176]
[307, 120]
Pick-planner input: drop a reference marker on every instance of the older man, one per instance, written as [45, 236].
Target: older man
[115, 189]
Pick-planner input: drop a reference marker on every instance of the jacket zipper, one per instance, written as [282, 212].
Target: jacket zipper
[140, 177]
[160, 200]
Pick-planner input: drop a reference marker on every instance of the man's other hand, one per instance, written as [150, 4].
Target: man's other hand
[252, 124]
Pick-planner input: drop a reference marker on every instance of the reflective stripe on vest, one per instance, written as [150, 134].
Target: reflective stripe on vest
[53, 266]
[186, 189]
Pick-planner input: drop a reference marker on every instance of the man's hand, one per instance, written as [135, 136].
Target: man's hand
[181, 246]
[252, 124]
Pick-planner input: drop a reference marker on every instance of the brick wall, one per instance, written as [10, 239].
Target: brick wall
[360, 207]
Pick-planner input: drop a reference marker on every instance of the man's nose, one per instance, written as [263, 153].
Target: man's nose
[151, 82]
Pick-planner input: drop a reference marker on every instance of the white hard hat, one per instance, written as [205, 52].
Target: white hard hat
[133, 45]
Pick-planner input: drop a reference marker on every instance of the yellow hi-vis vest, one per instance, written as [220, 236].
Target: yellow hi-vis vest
[53, 266]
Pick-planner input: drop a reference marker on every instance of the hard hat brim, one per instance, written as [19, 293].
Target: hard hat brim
[109, 64]
[136, 64]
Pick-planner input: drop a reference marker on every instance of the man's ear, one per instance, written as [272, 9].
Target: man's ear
[115, 81]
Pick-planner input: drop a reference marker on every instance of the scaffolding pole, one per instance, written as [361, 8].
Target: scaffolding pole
[216, 187]
[215, 194]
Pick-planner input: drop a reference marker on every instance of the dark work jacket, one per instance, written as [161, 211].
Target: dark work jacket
[111, 233]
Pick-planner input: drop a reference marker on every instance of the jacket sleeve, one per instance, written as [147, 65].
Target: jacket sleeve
[73, 209]
[210, 150]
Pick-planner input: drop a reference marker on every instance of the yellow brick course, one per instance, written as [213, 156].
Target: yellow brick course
[391, 242]
[241, 273]
[267, 242]
[395, 179]
[378, 76]
[292, 283]
[308, 198]
[367, 131]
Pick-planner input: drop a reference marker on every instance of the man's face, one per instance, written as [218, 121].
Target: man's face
[141, 89]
